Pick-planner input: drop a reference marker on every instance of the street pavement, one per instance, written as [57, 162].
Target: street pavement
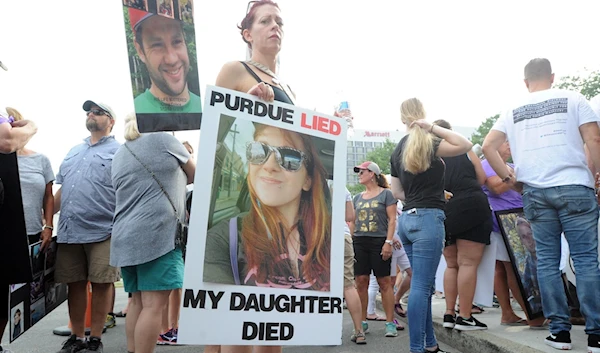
[39, 339]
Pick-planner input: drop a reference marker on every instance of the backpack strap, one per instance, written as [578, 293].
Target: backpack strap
[233, 249]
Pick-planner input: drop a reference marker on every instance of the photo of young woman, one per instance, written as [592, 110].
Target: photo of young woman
[283, 238]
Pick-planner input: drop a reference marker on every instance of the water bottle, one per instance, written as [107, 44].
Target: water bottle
[343, 111]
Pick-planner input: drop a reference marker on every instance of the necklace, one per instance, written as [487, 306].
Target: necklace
[266, 70]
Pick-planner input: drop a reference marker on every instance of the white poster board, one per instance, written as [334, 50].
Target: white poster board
[265, 166]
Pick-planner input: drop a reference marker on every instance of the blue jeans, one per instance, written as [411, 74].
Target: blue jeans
[422, 233]
[571, 209]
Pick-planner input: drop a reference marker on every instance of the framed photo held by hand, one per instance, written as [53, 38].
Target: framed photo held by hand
[518, 238]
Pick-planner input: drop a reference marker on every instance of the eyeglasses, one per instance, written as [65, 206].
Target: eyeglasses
[250, 4]
[288, 158]
[98, 112]
[362, 171]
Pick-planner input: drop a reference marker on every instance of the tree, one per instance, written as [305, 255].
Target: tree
[588, 86]
[355, 189]
[479, 135]
[381, 156]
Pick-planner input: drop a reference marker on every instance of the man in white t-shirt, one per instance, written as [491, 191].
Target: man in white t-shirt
[547, 130]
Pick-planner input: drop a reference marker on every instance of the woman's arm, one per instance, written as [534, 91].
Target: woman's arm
[452, 144]
[392, 212]
[350, 215]
[229, 77]
[48, 207]
[190, 170]
[478, 167]
[397, 189]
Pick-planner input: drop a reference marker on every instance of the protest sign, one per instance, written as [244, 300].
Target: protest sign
[161, 45]
[30, 302]
[265, 247]
[518, 238]
[14, 257]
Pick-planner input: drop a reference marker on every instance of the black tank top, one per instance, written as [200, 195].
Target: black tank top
[469, 206]
[280, 95]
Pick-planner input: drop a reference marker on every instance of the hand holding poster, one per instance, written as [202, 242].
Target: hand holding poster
[262, 252]
[162, 59]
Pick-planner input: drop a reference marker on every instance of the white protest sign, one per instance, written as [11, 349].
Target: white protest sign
[265, 252]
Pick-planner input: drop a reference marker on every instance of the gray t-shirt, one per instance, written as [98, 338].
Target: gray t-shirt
[371, 214]
[144, 223]
[35, 172]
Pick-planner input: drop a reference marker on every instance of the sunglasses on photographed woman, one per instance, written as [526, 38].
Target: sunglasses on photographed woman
[288, 158]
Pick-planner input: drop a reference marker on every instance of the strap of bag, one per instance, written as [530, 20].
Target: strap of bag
[233, 249]
[155, 178]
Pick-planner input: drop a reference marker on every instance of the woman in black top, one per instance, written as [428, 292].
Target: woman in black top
[418, 180]
[262, 31]
[468, 227]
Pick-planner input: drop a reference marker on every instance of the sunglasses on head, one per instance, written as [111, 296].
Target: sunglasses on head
[250, 4]
[288, 158]
[97, 112]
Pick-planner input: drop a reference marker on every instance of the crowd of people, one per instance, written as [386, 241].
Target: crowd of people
[119, 204]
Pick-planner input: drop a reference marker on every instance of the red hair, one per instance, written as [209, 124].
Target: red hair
[249, 19]
[314, 214]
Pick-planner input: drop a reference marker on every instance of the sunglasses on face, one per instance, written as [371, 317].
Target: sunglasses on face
[97, 112]
[362, 171]
[288, 158]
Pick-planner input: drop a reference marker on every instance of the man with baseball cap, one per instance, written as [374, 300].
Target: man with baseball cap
[161, 46]
[86, 201]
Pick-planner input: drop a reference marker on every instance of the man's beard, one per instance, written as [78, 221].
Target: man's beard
[162, 84]
[92, 125]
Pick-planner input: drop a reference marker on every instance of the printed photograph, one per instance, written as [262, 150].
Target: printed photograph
[165, 8]
[14, 287]
[51, 256]
[16, 321]
[166, 91]
[37, 288]
[38, 311]
[137, 4]
[270, 208]
[38, 258]
[518, 237]
[186, 11]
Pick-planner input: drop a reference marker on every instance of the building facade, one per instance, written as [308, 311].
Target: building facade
[364, 141]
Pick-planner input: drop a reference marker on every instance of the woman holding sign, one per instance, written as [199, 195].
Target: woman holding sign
[418, 180]
[262, 31]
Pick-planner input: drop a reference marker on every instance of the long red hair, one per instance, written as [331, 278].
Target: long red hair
[314, 214]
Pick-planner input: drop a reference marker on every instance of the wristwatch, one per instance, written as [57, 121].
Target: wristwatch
[389, 242]
[48, 227]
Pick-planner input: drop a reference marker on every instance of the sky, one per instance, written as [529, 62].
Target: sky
[463, 59]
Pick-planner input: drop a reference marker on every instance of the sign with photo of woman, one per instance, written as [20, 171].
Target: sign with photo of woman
[261, 252]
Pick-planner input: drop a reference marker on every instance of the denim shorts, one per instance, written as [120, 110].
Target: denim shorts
[164, 273]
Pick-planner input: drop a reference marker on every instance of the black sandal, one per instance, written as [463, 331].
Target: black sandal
[121, 314]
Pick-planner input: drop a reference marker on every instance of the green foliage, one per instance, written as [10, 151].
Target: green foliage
[355, 189]
[479, 135]
[588, 85]
[381, 156]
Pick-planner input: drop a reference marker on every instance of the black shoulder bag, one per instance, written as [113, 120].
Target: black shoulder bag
[181, 233]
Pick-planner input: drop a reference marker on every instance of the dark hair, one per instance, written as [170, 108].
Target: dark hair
[18, 311]
[249, 19]
[382, 181]
[538, 69]
[443, 123]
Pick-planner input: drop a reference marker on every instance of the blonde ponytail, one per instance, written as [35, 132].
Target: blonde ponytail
[418, 149]
[131, 129]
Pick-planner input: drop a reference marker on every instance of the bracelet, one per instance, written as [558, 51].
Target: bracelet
[431, 128]
[47, 227]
